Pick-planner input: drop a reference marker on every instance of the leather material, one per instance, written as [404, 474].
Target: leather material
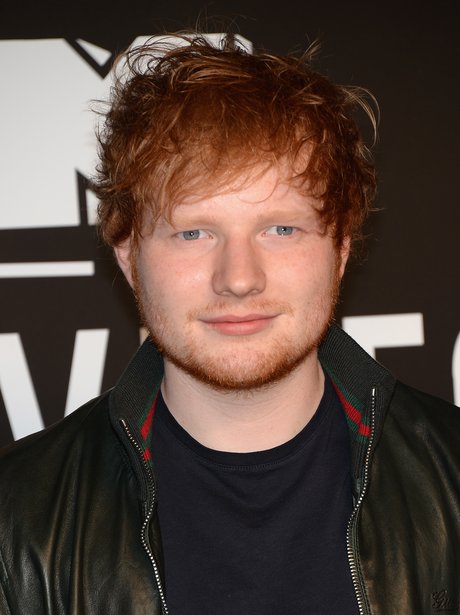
[71, 520]
[409, 530]
[73, 501]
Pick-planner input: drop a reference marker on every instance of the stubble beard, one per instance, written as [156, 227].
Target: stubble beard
[239, 366]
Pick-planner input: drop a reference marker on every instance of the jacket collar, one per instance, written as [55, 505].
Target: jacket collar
[353, 372]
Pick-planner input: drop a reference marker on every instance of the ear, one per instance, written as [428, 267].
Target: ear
[344, 253]
[124, 253]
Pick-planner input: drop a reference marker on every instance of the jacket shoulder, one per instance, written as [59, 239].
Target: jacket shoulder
[423, 414]
[40, 466]
[409, 519]
[66, 494]
[53, 439]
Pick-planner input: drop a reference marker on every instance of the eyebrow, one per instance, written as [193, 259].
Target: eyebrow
[282, 213]
[194, 220]
[188, 216]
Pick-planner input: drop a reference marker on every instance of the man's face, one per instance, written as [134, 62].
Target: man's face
[239, 288]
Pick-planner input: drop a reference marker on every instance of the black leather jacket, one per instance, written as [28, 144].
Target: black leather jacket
[79, 533]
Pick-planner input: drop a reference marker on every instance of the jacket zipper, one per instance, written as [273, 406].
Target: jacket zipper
[352, 540]
[149, 512]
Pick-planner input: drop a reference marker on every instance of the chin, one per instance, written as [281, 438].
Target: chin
[234, 372]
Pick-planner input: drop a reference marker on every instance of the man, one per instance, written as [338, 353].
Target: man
[252, 459]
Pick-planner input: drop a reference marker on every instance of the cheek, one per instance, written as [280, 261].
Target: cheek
[308, 271]
[162, 275]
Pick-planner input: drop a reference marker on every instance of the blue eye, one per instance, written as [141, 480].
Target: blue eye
[284, 230]
[281, 231]
[190, 235]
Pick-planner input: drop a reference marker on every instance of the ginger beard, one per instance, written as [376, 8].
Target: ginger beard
[239, 363]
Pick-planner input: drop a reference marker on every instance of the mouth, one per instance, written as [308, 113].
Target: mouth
[230, 324]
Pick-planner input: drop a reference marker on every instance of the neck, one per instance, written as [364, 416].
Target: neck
[244, 421]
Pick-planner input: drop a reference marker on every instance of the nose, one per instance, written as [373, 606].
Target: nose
[238, 269]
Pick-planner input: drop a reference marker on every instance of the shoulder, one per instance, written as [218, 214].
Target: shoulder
[419, 444]
[424, 415]
[48, 467]
[35, 450]
[54, 479]
[409, 518]
[65, 493]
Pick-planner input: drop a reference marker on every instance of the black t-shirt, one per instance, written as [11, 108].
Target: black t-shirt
[259, 533]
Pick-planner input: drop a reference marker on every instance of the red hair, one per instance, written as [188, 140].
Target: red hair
[187, 120]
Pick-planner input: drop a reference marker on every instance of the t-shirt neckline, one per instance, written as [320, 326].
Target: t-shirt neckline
[255, 458]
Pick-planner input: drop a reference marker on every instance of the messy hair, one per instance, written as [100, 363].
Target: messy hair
[185, 121]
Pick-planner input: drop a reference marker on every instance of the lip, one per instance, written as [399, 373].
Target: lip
[230, 324]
